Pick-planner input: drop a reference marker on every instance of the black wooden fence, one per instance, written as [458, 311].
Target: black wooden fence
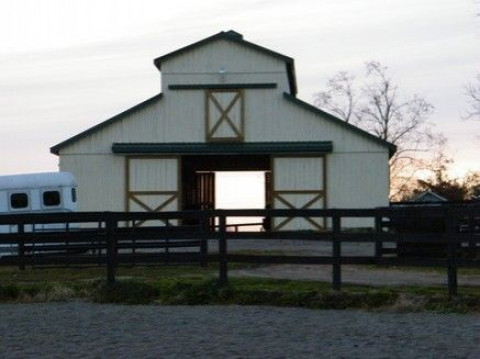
[451, 233]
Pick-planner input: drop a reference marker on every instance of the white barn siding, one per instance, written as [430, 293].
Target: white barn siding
[152, 185]
[180, 117]
[101, 181]
[357, 180]
[138, 126]
[298, 173]
[152, 174]
[241, 64]
[298, 182]
[357, 173]
[270, 117]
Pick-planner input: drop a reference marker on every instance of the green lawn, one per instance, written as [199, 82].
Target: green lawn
[193, 285]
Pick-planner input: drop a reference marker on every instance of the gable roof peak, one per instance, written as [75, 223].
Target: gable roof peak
[237, 38]
[233, 34]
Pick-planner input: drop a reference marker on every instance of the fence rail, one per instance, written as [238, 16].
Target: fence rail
[431, 236]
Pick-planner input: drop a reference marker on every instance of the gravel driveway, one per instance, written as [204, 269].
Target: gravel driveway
[354, 274]
[83, 330]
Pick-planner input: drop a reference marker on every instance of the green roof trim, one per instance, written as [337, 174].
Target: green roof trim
[223, 86]
[247, 148]
[237, 38]
[57, 148]
[391, 147]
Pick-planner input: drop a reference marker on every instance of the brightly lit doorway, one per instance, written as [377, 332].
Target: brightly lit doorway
[241, 190]
[227, 182]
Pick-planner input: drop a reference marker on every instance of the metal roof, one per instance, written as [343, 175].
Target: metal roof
[428, 196]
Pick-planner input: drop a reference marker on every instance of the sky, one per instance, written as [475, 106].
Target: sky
[68, 65]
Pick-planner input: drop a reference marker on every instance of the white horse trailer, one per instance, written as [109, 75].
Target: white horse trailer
[36, 193]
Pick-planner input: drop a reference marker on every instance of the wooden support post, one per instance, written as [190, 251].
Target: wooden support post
[472, 244]
[378, 241]
[222, 251]
[167, 251]
[67, 244]
[204, 220]
[451, 238]
[337, 253]
[111, 248]
[21, 246]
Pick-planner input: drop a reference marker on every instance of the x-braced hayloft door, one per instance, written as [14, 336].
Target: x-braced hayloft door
[225, 115]
[152, 185]
[298, 183]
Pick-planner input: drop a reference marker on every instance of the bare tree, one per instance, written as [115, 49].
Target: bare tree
[472, 182]
[436, 176]
[472, 92]
[378, 107]
[340, 98]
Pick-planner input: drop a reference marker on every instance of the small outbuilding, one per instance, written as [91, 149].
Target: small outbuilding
[226, 104]
[428, 196]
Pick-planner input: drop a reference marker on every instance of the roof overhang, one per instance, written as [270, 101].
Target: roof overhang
[391, 147]
[57, 148]
[249, 148]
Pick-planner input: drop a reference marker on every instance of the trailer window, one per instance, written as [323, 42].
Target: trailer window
[51, 198]
[74, 195]
[18, 200]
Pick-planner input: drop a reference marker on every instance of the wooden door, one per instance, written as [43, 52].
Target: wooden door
[298, 183]
[152, 185]
[205, 183]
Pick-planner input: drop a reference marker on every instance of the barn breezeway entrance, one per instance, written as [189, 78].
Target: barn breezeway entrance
[227, 182]
[241, 190]
[175, 177]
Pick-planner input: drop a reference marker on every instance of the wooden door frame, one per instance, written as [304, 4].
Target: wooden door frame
[211, 126]
[277, 194]
[130, 195]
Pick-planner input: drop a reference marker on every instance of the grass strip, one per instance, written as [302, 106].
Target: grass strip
[198, 286]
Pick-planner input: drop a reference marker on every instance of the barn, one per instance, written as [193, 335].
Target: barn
[226, 104]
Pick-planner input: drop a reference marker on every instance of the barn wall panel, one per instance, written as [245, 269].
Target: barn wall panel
[358, 181]
[239, 63]
[101, 185]
[181, 117]
[153, 174]
[269, 117]
[298, 182]
[138, 126]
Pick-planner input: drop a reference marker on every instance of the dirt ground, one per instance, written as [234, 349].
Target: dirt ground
[354, 274]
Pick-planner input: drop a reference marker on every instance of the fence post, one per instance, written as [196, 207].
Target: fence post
[21, 246]
[451, 239]
[204, 220]
[111, 248]
[378, 240]
[337, 253]
[222, 251]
